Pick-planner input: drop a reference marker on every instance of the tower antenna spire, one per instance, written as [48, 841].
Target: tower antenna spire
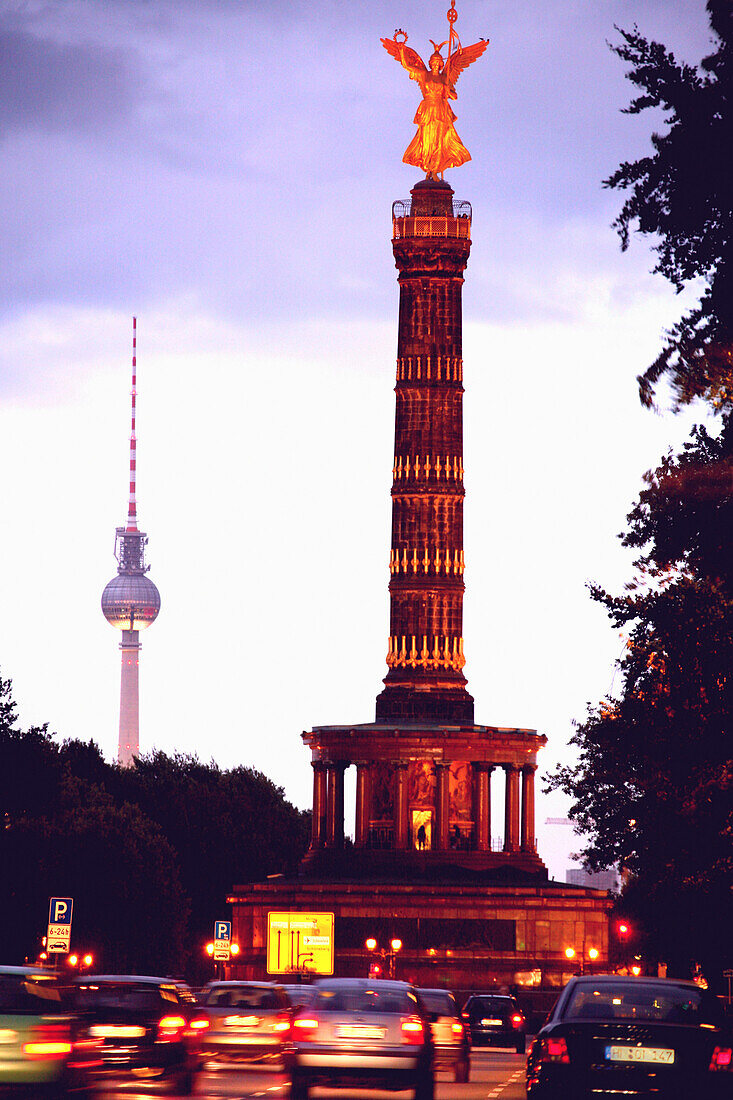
[132, 504]
[130, 602]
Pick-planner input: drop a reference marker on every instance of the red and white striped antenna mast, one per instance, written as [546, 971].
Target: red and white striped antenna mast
[132, 505]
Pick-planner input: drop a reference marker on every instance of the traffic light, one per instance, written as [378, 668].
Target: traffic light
[623, 930]
[375, 970]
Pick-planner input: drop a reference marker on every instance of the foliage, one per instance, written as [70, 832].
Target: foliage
[682, 196]
[149, 853]
[653, 786]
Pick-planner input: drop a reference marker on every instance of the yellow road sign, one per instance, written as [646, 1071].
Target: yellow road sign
[300, 943]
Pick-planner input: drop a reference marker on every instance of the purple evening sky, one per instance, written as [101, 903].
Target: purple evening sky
[225, 170]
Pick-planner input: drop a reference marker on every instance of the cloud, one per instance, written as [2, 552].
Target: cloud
[54, 87]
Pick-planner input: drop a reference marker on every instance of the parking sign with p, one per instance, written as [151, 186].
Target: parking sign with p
[222, 940]
[58, 935]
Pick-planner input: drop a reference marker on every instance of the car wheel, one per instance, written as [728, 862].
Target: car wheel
[298, 1087]
[521, 1044]
[184, 1083]
[462, 1072]
[425, 1087]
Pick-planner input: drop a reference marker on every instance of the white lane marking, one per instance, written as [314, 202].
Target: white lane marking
[505, 1085]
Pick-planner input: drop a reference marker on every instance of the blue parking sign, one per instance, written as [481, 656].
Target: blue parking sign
[222, 929]
[60, 910]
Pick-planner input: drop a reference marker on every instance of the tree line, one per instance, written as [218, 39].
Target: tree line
[653, 784]
[149, 853]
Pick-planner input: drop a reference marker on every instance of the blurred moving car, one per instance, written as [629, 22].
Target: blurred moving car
[248, 1021]
[41, 1047]
[356, 1032]
[451, 1043]
[497, 1019]
[612, 1035]
[298, 994]
[150, 1028]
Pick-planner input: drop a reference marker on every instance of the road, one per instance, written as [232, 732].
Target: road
[495, 1075]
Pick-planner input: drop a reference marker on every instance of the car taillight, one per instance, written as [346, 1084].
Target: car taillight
[281, 1023]
[517, 1020]
[412, 1029]
[170, 1029]
[456, 1028]
[51, 1041]
[305, 1028]
[199, 1024]
[554, 1050]
[722, 1059]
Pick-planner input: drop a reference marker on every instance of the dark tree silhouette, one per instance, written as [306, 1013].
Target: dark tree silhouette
[682, 197]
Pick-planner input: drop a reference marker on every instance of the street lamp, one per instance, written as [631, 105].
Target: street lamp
[388, 954]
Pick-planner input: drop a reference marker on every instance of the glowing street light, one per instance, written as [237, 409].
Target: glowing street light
[569, 952]
[389, 954]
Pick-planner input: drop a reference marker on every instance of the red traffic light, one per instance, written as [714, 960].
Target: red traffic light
[623, 930]
[375, 970]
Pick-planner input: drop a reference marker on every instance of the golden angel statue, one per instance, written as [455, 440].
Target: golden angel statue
[436, 145]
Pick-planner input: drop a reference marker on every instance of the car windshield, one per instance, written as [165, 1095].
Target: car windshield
[299, 994]
[639, 1000]
[246, 997]
[366, 999]
[438, 1002]
[138, 998]
[28, 995]
[481, 1006]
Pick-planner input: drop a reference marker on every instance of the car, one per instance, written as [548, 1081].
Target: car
[42, 1047]
[149, 1027]
[248, 1021]
[451, 1042]
[298, 994]
[613, 1035]
[495, 1018]
[361, 1033]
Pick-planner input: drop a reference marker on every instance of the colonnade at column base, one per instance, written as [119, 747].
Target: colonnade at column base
[424, 799]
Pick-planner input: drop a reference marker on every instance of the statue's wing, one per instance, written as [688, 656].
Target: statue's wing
[412, 60]
[462, 58]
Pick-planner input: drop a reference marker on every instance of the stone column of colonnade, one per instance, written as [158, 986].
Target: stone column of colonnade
[519, 806]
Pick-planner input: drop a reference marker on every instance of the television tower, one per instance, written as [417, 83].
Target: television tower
[130, 602]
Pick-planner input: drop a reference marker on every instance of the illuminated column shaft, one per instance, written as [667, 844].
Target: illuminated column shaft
[425, 681]
[129, 745]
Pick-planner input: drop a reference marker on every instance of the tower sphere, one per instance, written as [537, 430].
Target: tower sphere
[130, 602]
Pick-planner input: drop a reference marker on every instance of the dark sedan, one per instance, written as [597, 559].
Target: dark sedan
[149, 1029]
[632, 1037]
[495, 1019]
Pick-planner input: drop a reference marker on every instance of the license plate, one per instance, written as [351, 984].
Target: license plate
[640, 1054]
[116, 1031]
[491, 1023]
[242, 1021]
[356, 1031]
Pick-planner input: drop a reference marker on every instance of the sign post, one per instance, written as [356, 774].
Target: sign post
[300, 943]
[58, 934]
